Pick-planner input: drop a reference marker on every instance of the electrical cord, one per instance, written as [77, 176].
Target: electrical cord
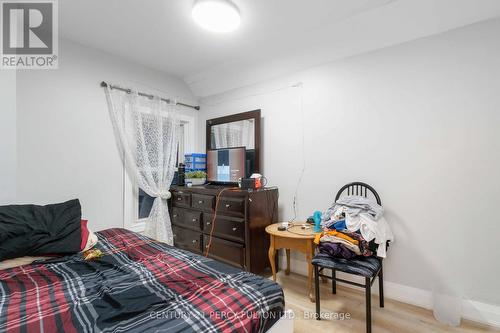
[217, 200]
[274, 200]
[299, 85]
[292, 225]
[296, 85]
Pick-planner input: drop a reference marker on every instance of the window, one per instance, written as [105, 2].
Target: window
[138, 204]
[145, 203]
[181, 148]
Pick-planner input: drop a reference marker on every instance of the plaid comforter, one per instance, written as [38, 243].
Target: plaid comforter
[139, 285]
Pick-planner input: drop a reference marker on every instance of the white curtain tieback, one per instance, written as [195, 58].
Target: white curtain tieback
[165, 195]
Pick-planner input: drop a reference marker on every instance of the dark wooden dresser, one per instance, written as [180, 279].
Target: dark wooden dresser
[239, 237]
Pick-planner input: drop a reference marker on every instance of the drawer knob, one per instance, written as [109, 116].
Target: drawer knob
[228, 205]
[206, 246]
[234, 229]
[194, 220]
[209, 223]
[194, 241]
[175, 215]
[179, 199]
[200, 202]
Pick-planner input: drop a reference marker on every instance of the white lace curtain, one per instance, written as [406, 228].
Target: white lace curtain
[146, 130]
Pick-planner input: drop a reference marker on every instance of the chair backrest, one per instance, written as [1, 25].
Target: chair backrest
[358, 188]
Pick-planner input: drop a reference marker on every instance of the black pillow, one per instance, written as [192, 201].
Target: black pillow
[31, 230]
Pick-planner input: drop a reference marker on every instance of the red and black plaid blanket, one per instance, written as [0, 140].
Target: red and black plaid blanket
[139, 285]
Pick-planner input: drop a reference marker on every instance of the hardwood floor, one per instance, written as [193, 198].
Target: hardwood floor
[394, 317]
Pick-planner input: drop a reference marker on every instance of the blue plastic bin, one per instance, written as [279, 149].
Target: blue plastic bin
[195, 162]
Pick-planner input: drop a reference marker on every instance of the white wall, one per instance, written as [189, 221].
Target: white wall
[66, 145]
[420, 123]
[7, 136]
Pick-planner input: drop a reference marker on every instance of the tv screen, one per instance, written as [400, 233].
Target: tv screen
[226, 165]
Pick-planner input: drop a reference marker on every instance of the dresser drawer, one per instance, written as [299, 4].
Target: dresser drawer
[192, 219]
[232, 228]
[187, 218]
[203, 202]
[187, 239]
[233, 206]
[181, 199]
[226, 251]
[177, 216]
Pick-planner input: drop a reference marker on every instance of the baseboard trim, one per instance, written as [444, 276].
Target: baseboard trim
[483, 313]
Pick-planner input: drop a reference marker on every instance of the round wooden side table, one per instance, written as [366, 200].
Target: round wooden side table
[297, 239]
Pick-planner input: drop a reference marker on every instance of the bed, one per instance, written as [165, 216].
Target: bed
[139, 285]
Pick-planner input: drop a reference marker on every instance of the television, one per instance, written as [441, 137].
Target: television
[226, 166]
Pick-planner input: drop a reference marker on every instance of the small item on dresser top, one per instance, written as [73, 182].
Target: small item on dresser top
[182, 174]
[247, 184]
[260, 181]
[196, 178]
[310, 220]
[195, 162]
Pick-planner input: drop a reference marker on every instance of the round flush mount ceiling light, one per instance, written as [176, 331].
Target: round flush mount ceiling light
[216, 15]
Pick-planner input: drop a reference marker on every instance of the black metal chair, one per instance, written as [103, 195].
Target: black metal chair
[367, 267]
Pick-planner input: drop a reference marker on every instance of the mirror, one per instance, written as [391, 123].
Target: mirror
[237, 130]
[235, 134]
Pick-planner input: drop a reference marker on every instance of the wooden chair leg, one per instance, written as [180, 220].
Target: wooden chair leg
[334, 283]
[368, 305]
[381, 287]
[316, 291]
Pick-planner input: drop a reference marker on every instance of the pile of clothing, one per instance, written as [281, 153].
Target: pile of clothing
[354, 226]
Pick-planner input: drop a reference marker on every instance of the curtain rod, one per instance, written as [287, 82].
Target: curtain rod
[105, 84]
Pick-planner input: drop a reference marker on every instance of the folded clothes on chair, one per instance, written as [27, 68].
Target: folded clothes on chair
[337, 225]
[337, 240]
[371, 229]
[336, 234]
[336, 250]
[354, 205]
[362, 215]
[364, 246]
[349, 240]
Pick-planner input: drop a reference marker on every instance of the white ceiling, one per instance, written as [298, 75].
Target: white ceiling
[276, 36]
